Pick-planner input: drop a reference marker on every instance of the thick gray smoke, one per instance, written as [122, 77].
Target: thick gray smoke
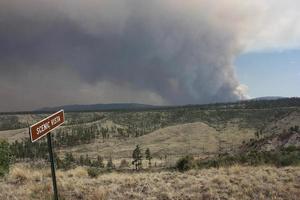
[160, 52]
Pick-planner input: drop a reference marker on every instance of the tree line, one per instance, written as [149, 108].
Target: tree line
[39, 150]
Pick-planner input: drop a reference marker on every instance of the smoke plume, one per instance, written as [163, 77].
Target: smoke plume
[57, 52]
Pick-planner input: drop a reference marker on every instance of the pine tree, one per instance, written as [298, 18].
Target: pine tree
[137, 157]
[81, 160]
[87, 160]
[57, 160]
[148, 156]
[257, 134]
[68, 160]
[100, 161]
[110, 164]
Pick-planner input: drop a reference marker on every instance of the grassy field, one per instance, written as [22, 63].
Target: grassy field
[236, 182]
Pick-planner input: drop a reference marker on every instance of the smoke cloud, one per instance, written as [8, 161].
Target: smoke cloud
[57, 52]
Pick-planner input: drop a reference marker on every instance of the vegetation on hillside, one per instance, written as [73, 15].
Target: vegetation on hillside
[252, 113]
[8, 122]
[5, 157]
[281, 154]
[289, 156]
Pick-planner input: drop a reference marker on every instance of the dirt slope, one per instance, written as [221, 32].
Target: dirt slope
[283, 123]
[274, 142]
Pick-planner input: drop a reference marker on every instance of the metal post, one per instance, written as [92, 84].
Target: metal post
[52, 166]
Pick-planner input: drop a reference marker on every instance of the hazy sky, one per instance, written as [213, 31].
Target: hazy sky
[56, 52]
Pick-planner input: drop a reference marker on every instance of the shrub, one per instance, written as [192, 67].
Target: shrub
[291, 148]
[93, 172]
[67, 163]
[289, 158]
[185, 163]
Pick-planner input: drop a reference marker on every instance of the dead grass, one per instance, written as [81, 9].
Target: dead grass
[236, 182]
[20, 174]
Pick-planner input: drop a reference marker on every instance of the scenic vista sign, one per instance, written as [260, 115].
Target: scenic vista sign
[41, 128]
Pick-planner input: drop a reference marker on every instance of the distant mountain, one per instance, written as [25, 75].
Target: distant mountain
[257, 103]
[268, 98]
[98, 107]
[271, 103]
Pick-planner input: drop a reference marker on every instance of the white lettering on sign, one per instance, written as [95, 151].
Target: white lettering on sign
[55, 120]
[42, 128]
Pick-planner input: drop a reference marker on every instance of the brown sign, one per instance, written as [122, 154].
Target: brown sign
[40, 129]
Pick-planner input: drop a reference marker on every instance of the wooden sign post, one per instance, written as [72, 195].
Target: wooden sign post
[43, 128]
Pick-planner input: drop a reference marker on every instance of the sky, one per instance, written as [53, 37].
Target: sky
[270, 73]
[171, 52]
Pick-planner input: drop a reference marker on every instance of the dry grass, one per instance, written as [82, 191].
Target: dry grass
[20, 174]
[235, 182]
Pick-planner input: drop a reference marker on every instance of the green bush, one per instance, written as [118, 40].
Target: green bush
[185, 163]
[93, 172]
[291, 148]
[4, 158]
[289, 158]
[67, 163]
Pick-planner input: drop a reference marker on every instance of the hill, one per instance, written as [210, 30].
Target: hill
[268, 98]
[277, 149]
[97, 107]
